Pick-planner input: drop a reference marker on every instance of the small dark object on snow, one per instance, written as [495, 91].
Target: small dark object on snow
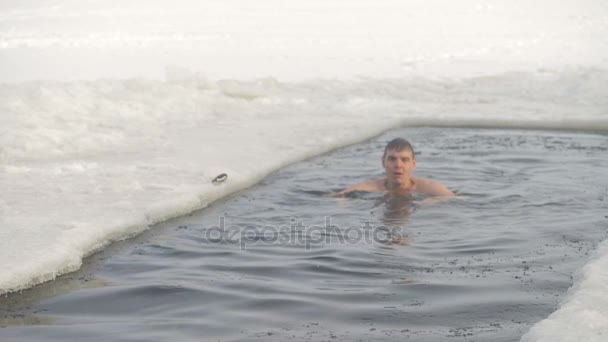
[220, 179]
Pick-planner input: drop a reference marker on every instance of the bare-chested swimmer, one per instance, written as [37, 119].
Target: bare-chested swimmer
[399, 162]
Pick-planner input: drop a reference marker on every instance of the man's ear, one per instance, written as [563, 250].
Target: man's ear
[383, 162]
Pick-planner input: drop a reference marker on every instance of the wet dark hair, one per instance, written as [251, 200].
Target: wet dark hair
[399, 144]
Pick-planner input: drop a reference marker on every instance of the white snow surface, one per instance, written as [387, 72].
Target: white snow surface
[116, 115]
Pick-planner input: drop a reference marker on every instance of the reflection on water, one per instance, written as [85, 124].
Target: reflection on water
[282, 261]
[397, 209]
[19, 309]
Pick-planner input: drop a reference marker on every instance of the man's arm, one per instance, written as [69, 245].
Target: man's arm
[365, 186]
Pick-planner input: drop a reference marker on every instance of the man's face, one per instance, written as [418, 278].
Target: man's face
[399, 165]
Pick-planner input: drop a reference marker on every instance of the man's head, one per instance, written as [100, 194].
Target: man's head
[398, 144]
[399, 161]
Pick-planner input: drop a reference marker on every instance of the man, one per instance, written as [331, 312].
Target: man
[399, 162]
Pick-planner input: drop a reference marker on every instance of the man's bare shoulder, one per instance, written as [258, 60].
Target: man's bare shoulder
[433, 188]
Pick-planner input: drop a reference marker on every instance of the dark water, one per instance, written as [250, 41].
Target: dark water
[281, 261]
